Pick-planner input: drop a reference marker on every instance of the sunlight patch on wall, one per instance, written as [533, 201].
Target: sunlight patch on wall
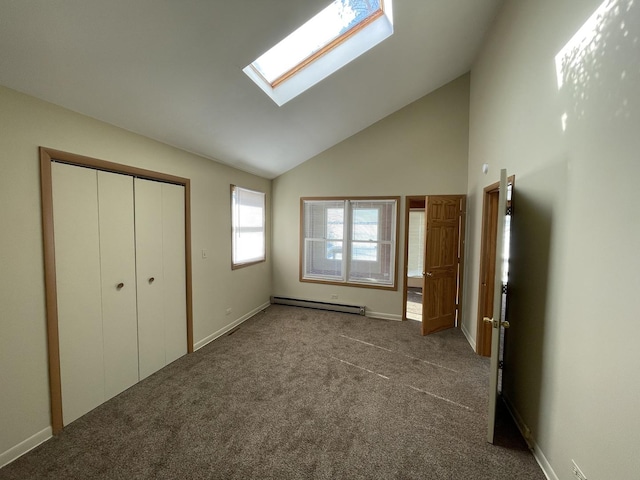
[600, 61]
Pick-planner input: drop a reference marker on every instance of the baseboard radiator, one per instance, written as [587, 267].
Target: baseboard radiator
[333, 307]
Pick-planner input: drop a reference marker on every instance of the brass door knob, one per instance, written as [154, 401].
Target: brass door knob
[151, 280]
[120, 285]
[493, 322]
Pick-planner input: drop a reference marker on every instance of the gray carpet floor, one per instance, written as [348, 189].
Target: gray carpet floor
[296, 393]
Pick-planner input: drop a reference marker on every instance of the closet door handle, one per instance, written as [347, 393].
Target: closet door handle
[119, 286]
[151, 279]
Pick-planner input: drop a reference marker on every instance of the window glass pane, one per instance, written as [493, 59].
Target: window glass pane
[248, 225]
[373, 241]
[365, 224]
[335, 223]
[249, 245]
[317, 265]
[364, 251]
[323, 235]
[380, 271]
[332, 22]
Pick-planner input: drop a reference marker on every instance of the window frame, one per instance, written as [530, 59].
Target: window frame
[333, 56]
[348, 240]
[234, 229]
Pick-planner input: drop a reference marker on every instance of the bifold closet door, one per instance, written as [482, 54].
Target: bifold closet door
[77, 243]
[118, 274]
[175, 274]
[95, 279]
[160, 267]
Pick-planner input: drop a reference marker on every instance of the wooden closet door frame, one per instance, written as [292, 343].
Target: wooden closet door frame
[48, 155]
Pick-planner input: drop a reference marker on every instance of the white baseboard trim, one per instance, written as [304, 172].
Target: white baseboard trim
[210, 338]
[540, 457]
[468, 336]
[384, 316]
[23, 447]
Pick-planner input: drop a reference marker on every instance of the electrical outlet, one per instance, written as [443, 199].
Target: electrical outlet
[577, 472]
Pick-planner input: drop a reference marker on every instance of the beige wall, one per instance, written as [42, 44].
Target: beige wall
[572, 356]
[26, 124]
[418, 150]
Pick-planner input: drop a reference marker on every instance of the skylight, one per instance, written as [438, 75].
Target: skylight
[334, 37]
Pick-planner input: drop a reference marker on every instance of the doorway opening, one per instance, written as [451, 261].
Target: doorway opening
[434, 256]
[488, 266]
[415, 258]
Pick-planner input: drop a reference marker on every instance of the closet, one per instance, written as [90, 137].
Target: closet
[121, 291]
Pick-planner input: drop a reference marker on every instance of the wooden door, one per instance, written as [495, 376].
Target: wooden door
[497, 321]
[118, 277]
[441, 262]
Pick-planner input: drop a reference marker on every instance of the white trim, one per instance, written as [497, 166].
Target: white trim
[210, 338]
[384, 316]
[466, 333]
[23, 447]
[540, 457]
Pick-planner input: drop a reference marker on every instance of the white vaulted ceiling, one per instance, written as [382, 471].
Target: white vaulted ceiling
[172, 70]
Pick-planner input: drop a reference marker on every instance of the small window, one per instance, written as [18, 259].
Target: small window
[351, 241]
[248, 226]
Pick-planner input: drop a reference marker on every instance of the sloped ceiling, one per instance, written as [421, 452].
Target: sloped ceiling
[172, 70]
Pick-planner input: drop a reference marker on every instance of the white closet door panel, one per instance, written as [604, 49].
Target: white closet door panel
[117, 260]
[77, 247]
[148, 224]
[175, 292]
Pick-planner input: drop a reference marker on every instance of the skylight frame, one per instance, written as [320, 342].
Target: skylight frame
[338, 52]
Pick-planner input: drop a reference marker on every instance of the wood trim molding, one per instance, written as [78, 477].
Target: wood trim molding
[462, 243]
[82, 161]
[51, 293]
[327, 48]
[188, 266]
[48, 155]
